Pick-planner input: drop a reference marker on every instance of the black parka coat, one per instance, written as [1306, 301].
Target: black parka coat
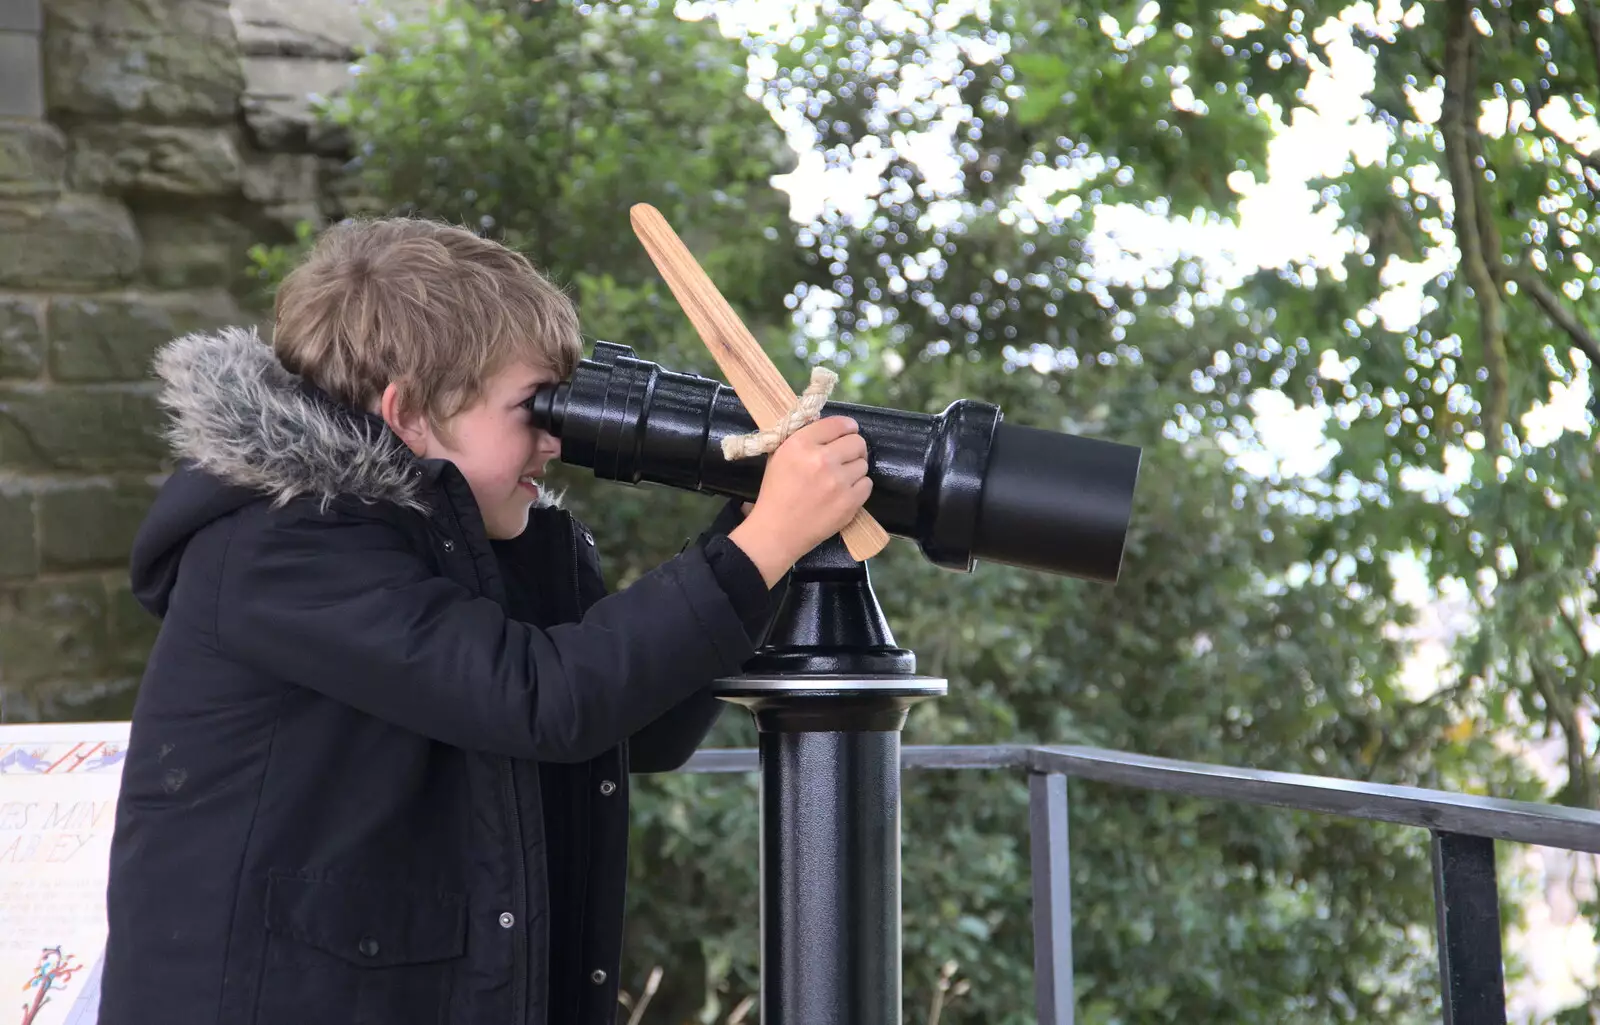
[378, 767]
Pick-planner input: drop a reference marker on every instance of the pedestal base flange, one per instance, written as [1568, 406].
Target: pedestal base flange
[815, 704]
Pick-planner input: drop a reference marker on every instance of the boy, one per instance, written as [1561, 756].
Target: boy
[379, 760]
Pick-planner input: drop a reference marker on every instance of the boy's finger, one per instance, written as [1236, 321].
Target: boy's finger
[849, 446]
[829, 428]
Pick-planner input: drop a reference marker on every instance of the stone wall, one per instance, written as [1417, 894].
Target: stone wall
[145, 145]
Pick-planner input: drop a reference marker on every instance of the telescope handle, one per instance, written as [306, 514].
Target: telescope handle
[760, 387]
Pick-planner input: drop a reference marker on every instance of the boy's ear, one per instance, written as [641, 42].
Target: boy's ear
[411, 427]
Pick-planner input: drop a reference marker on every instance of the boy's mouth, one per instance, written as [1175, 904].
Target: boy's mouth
[530, 482]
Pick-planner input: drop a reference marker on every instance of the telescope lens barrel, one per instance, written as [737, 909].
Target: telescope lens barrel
[1057, 502]
[961, 484]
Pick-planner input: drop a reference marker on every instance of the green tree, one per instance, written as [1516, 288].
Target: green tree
[1250, 625]
[1493, 150]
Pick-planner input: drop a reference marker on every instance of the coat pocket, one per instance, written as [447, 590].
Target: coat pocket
[357, 952]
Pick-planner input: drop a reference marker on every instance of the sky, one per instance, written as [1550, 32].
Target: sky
[1280, 223]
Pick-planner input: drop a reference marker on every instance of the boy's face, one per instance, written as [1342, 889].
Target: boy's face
[497, 450]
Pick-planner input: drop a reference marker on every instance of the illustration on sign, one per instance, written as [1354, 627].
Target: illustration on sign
[62, 757]
[54, 972]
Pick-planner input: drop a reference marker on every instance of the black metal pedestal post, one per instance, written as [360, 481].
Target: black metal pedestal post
[830, 692]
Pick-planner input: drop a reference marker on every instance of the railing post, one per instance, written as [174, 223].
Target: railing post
[1052, 898]
[1466, 898]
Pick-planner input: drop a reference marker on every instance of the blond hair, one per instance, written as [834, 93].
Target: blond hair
[433, 306]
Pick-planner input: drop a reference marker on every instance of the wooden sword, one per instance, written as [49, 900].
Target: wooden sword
[763, 390]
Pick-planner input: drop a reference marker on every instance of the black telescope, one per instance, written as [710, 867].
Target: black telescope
[828, 688]
[962, 484]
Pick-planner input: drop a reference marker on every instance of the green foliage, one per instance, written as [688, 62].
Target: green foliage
[270, 264]
[1254, 620]
[543, 128]
[1499, 333]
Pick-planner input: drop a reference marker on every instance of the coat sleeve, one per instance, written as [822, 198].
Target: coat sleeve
[346, 607]
[668, 742]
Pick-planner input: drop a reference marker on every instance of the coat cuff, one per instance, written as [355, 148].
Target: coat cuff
[742, 581]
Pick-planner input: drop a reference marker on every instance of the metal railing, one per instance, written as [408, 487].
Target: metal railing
[1463, 827]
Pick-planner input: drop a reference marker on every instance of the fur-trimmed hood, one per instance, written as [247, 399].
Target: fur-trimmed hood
[237, 414]
[243, 428]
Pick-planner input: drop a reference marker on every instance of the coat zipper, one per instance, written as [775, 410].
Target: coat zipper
[577, 611]
[577, 588]
[519, 887]
[519, 891]
[520, 882]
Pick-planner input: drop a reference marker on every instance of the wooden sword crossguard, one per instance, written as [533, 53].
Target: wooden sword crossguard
[763, 390]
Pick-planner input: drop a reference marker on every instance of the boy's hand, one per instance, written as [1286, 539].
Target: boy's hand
[813, 485]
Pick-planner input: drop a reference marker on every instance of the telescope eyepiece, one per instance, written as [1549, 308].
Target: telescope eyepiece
[547, 407]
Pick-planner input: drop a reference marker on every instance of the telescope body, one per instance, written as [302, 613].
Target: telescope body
[962, 484]
[828, 688]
